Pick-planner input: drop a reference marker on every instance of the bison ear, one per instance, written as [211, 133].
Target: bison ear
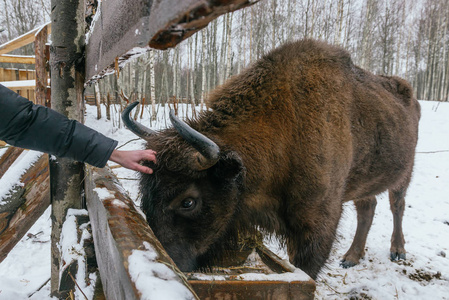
[229, 166]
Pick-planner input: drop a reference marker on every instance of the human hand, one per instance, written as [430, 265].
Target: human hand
[131, 159]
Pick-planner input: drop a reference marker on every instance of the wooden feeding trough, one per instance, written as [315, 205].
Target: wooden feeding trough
[119, 230]
[262, 275]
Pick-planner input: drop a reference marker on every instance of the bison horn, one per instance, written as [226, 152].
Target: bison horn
[137, 128]
[208, 151]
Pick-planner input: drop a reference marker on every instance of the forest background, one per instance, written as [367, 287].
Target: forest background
[405, 38]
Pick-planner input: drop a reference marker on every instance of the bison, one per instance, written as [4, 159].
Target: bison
[283, 145]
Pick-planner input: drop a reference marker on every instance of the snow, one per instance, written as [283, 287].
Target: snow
[27, 266]
[103, 193]
[72, 250]
[298, 275]
[96, 17]
[11, 178]
[164, 283]
[255, 270]
[19, 83]
[423, 275]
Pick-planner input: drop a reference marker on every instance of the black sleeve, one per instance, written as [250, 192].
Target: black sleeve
[26, 125]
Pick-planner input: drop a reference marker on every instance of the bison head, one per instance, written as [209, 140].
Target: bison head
[191, 199]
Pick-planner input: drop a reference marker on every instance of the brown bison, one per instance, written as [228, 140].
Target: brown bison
[282, 146]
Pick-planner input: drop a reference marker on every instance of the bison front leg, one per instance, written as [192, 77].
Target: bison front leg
[310, 242]
[365, 213]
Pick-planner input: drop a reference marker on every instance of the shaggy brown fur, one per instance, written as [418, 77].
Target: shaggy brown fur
[300, 132]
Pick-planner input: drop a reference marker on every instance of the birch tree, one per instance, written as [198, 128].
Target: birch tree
[228, 46]
[152, 85]
[203, 68]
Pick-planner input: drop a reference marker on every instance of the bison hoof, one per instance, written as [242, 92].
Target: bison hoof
[397, 256]
[347, 263]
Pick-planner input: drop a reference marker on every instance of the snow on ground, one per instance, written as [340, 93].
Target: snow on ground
[424, 275]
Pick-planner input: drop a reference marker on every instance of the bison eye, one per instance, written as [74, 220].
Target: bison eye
[188, 203]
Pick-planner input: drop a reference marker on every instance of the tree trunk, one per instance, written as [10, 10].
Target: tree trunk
[340, 9]
[191, 74]
[222, 69]
[229, 47]
[97, 100]
[67, 78]
[8, 24]
[175, 73]
[251, 36]
[273, 24]
[152, 87]
[203, 69]
[214, 54]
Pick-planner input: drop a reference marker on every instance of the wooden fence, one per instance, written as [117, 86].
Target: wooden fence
[118, 229]
[20, 81]
[31, 83]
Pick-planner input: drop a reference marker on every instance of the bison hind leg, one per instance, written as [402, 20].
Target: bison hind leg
[365, 213]
[397, 206]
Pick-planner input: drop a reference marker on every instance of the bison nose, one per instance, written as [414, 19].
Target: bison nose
[184, 260]
[186, 265]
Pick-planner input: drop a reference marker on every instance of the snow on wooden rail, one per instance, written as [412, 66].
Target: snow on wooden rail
[131, 261]
[8, 158]
[24, 197]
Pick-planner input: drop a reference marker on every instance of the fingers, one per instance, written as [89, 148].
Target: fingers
[149, 155]
[132, 159]
[142, 169]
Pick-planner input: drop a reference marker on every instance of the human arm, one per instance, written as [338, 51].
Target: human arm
[24, 124]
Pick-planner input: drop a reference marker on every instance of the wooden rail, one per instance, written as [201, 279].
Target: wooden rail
[25, 204]
[24, 39]
[8, 158]
[160, 24]
[34, 87]
[17, 59]
[119, 232]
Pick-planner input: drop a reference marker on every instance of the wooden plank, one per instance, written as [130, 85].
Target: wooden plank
[119, 230]
[255, 290]
[28, 200]
[41, 66]
[266, 277]
[17, 59]
[23, 76]
[190, 17]
[8, 74]
[8, 158]
[127, 24]
[22, 40]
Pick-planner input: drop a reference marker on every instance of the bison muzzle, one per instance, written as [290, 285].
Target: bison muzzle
[283, 145]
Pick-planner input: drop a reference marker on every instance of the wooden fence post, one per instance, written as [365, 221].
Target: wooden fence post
[41, 62]
[67, 78]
